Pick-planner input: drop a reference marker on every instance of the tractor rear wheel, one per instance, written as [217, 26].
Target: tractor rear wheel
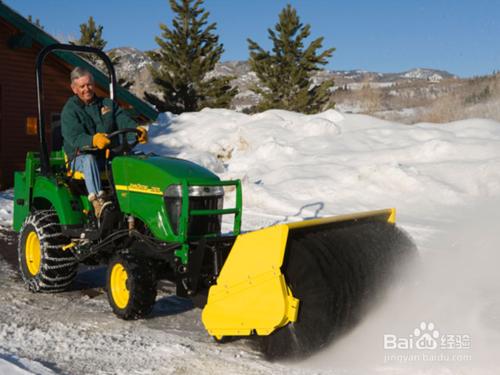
[131, 286]
[44, 265]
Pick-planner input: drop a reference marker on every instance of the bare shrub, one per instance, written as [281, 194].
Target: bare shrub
[444, 109]
[411, 101]
[371, 98]
[475, 97]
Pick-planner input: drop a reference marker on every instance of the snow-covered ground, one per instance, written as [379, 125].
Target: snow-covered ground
[6, 199]
[444, 180]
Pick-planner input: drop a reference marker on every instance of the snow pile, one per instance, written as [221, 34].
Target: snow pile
[6, 207]
[296, 166]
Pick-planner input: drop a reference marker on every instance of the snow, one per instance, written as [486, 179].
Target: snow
[443, 179]
[6, 201]
[374, 85]
[13, 365]
[422, 73]
[341, 162]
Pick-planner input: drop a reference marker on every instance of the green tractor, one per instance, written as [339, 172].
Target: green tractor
[296, 286]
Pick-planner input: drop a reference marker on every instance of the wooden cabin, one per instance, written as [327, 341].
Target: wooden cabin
[20, 42]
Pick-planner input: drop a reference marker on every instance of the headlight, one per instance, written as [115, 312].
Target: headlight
[200, 198]
[175, 191]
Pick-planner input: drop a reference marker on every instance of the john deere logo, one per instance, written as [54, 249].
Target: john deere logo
[139, 188]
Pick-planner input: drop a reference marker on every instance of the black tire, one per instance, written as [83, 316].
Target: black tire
[44, 265]
[131, 286]
[335, 274]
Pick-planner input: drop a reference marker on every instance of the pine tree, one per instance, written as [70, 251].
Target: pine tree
[188, 51]
[91, 34]
[286, 73]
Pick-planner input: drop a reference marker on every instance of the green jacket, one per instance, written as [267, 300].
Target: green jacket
[80, 121]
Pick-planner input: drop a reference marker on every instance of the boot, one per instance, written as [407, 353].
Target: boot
[97, 203]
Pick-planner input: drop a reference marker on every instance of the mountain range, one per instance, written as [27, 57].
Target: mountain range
[133, 67]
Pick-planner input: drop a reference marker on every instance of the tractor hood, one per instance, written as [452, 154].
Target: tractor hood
[141, 181]
[156, 173]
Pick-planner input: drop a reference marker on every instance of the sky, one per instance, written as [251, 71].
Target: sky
[460, 36]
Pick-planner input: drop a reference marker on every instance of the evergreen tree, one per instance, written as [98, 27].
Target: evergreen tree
[91, 36]
[286, 73]
[188, 51]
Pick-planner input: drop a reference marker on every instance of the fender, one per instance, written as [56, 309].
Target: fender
[67, 206]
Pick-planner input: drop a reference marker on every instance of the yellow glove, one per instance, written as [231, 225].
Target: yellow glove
[143, 137]
[100, 140]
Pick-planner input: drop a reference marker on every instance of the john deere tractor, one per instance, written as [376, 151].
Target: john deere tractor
[296, 286]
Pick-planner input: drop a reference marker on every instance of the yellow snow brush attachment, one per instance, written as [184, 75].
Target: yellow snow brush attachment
[251, 293]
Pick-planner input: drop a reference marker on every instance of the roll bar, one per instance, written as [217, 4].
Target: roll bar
[44, 155]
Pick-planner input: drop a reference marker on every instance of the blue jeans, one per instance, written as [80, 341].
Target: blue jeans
[89, 166]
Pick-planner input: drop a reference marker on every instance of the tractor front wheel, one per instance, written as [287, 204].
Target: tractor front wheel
[44, 265]
[131, 286]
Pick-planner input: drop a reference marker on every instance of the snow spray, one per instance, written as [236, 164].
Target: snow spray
[442, 315]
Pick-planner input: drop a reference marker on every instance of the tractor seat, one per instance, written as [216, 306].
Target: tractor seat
[57, 144]
[77, 175]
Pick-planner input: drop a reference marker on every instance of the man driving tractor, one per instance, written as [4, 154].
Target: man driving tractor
[86, 120]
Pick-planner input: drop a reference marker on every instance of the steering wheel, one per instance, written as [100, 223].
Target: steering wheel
[124, 147]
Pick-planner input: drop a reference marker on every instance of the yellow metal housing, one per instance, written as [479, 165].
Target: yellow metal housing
[251, 294]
